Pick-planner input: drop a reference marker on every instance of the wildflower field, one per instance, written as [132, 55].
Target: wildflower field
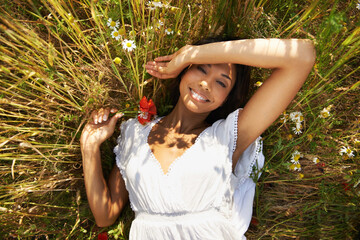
[61, 59]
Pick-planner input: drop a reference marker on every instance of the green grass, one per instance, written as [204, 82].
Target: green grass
[56, 68]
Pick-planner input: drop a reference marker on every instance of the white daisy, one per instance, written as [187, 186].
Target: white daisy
[296, 130]
[159, 24]
[128, 45]
[113, 24]
[168, 31]
[115, 34]
[295, 156]
[347, 151]
[154, 4]
[157, 4]
[296, 117]
[316, 160]
[358, 5]
[295, 166]
[283, 119]
[325, 113]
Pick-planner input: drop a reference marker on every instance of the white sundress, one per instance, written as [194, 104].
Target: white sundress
[199, 197]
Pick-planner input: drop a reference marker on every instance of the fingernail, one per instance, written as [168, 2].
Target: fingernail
[105, 117]
[95, 121]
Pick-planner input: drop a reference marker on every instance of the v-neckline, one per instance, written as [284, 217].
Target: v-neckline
[173, 162]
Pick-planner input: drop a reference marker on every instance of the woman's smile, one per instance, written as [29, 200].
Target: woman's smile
[198, 96]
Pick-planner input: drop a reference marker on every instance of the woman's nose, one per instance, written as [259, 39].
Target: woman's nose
[204, 84]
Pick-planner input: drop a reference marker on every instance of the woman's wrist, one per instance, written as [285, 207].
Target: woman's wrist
[191, 54]
[88, 146]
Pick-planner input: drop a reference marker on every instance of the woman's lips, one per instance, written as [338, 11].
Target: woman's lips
[198, 97]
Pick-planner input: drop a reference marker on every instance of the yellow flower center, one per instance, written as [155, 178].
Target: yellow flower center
[121, 31]
[292, 167]
[297, 157]
[116, 34]
[298, 165]
[117, 60]
[289, 136]
[301, 175]
[348, 151]
[325, 114]
[113, 24]
[128, 44]
[127, 105]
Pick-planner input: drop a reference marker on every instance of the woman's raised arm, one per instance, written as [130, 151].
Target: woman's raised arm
[106, 200]
[291, 61]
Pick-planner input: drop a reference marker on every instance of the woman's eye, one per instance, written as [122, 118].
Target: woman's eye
[201, 69]
[221, 83]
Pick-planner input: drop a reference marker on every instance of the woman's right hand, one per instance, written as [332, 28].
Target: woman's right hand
[170, 66]
[100, 127]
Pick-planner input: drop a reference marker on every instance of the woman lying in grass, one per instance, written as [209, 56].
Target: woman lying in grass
[188, 175]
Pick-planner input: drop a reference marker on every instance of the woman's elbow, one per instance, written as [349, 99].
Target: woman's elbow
[104, 222]
[308, 53]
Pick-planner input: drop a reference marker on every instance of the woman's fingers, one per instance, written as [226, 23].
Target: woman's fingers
[160, 75]
[102, 115]
[106, 114]
[164, 58]
[113, 110]
[94, 117]
[153, 64]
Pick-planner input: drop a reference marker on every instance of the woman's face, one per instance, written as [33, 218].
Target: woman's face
[205, 87]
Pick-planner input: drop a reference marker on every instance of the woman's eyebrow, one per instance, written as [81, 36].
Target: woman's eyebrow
[223, 74]
[226, 76]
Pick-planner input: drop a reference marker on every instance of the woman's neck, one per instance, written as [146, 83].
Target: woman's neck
[183, 121]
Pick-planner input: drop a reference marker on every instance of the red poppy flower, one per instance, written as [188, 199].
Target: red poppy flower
[103, 236]
[254, 221]
[346, 186]
[147, 110]
[321, 164]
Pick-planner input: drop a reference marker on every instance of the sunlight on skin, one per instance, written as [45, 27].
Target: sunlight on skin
[288, 50]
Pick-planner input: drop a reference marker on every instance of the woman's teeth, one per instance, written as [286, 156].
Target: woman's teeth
[197, 96]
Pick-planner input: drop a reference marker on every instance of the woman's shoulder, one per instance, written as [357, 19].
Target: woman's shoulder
[230, 121]
[132, 125]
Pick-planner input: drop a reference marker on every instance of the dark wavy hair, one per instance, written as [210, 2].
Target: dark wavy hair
[237, 97]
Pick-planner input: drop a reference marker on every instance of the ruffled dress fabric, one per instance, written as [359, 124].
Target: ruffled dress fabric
[199, 197]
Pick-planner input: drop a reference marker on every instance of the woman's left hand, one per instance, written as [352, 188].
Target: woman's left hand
[170, 66]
